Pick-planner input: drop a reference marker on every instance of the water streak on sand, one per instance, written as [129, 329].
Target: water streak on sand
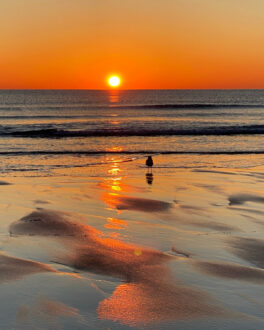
[44, 309]
[12, 268]
[240, 199]
[231, 271]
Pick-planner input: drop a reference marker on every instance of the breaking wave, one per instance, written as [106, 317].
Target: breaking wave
[159, 106]
[133, 131]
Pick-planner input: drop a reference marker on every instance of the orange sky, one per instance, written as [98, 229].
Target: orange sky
[150, 43]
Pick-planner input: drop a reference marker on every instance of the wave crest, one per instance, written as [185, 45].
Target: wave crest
[62, 133]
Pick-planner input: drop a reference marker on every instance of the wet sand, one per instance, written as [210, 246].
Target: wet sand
[117, 251]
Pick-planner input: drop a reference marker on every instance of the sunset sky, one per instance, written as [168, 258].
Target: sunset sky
[149, 43]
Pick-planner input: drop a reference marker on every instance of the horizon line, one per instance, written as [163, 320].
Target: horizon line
[122, 89]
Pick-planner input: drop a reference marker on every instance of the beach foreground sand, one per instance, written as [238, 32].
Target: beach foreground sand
[181, 248]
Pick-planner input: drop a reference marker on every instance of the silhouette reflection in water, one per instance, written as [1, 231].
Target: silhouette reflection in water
[149, 178]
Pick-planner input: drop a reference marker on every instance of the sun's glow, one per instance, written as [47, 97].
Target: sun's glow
[114, 81]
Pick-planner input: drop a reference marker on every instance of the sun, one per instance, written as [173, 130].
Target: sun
[114, 81]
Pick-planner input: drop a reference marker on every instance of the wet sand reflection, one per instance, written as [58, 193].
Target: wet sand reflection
[145, 303]
[116, 224]
[116, 184]
[149, 294]
[149, 178]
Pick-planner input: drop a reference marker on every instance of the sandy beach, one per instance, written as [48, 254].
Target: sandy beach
[113, 251]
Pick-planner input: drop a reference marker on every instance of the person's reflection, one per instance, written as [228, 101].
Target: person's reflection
[149, 178]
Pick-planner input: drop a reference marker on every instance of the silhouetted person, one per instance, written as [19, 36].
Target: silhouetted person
[149, 178]
[149, 162]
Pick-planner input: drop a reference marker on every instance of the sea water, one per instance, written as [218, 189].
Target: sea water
[42, 131]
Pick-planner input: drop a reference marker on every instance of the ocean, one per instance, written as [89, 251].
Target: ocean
[43, 131]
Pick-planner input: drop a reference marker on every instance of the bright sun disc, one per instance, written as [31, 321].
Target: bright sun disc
[114, 81]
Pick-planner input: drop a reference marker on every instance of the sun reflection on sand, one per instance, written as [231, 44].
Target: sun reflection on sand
[113, 223]
[116, 184]
[113, 182]
[114, 170]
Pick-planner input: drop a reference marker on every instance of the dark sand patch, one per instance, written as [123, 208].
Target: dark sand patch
[12, 268]
[230, 271]
[149, 295]
[48, 223]
[4, 183]
[136, 204]
[249, 249]
[239, 199]
[39, 201]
